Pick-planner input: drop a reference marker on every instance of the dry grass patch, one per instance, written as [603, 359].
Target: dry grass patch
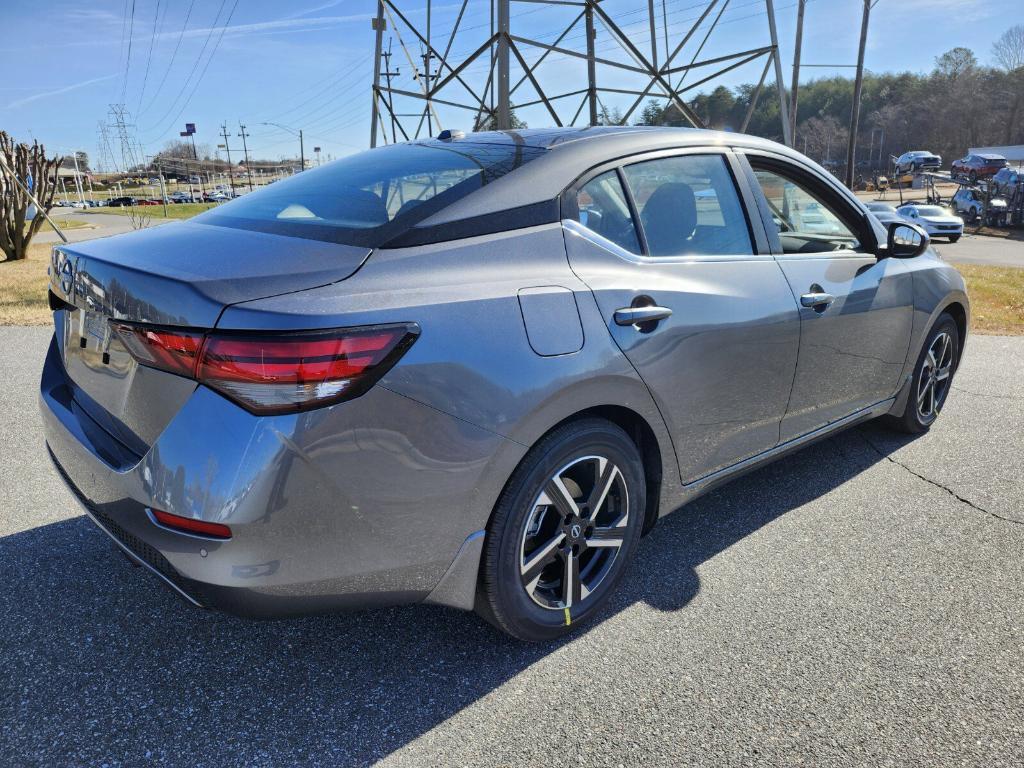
[23, 288]
[997, 298]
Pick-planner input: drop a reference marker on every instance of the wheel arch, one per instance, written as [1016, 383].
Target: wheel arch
[958, 312]
[643, 437]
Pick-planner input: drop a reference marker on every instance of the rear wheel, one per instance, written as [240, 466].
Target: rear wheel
[933, 377]
[563, 531]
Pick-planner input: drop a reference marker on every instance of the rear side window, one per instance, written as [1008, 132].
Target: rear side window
[603, 209]
[688, 205]
[371, 197]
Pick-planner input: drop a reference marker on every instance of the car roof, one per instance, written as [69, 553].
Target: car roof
[572, 152]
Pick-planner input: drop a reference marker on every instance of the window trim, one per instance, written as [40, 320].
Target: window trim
[828, 192]
[760, 245]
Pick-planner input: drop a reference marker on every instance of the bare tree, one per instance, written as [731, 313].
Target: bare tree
[138, 217]
[1008, 50]
[23, 167]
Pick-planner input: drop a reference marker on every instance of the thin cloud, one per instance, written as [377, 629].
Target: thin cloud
[59, 91]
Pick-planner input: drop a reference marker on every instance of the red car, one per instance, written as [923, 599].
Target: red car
[976, 167]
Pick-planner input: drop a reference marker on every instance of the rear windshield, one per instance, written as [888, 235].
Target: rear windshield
[369, 198]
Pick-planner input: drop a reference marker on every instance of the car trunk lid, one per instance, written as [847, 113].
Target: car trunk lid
[180, 274]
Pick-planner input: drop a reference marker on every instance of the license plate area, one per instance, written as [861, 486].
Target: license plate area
[95, 326]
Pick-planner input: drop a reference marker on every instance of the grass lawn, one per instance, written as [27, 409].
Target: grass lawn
[997, 294]
[997, 298]
[23, 288]
[174, 210]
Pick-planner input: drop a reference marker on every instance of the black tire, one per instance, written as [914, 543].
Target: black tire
[973, 177]
[913, 420]
[954, 238]
[523, 527]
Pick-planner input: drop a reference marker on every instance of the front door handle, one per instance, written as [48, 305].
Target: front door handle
[818, 301]
[638, 315]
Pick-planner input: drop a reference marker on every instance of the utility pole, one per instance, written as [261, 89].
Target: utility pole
[245, 152]
[588, 9]
[787, 136]
[377, 24]
[302, 152]
[795, 89]
[858, 85]
[163, 190]
[504, 107]
[227, 151]
[389, 73]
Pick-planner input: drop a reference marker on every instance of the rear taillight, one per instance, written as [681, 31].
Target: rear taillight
[274, 373]
[191, 525]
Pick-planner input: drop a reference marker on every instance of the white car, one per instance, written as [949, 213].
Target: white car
[937, 221]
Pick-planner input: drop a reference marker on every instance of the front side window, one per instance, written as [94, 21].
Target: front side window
[804, 223]
[603, 209]
[688, 205]
[369, 197]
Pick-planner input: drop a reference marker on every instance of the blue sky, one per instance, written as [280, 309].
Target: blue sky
[308, 63]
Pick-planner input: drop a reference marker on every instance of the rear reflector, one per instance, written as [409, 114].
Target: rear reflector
[274, 373]
[191, 525]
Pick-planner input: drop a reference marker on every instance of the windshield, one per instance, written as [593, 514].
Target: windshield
[932, 210]
[881, 208]
[368, 198]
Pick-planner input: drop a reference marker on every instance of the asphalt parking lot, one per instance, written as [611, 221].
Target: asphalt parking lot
[858, 603]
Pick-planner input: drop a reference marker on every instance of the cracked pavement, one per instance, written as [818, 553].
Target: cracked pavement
[857, 603]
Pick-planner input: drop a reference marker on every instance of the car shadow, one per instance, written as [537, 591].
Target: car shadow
[102, 664]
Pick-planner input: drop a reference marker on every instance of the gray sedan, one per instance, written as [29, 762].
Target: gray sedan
[474, 370]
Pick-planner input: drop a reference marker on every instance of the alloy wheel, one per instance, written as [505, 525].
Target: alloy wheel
[574, 532]
[935, 377]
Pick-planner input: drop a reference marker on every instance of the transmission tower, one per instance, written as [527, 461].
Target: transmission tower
[107, 158]
[503, 71]
[120, 122]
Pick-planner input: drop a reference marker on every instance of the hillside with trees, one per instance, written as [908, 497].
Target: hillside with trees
[959, 104]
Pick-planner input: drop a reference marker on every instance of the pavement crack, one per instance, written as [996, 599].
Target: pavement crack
[985, 394]
[937, 484]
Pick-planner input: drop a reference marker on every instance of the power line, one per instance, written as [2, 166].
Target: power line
[205, 67]
[170, 65]
[149, 56]
[128, 59]
[195, 66]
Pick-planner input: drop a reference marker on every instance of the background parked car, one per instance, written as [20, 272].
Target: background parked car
[1006, 181]
[885, 213]
[968, 203]
[121, 202]
[976, 167]
[936, 220]
[918, 160]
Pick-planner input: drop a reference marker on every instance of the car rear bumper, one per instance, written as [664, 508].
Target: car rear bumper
[363, 503]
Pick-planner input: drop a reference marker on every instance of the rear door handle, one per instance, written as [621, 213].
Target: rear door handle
[637, 315]
[818, 301]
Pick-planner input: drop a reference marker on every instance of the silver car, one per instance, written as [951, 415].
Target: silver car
[474, 370]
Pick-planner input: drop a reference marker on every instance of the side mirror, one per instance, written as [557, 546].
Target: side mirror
[906, 241]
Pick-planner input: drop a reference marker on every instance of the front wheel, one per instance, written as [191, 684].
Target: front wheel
[954, 238]
[563, 531]
[933, 377]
